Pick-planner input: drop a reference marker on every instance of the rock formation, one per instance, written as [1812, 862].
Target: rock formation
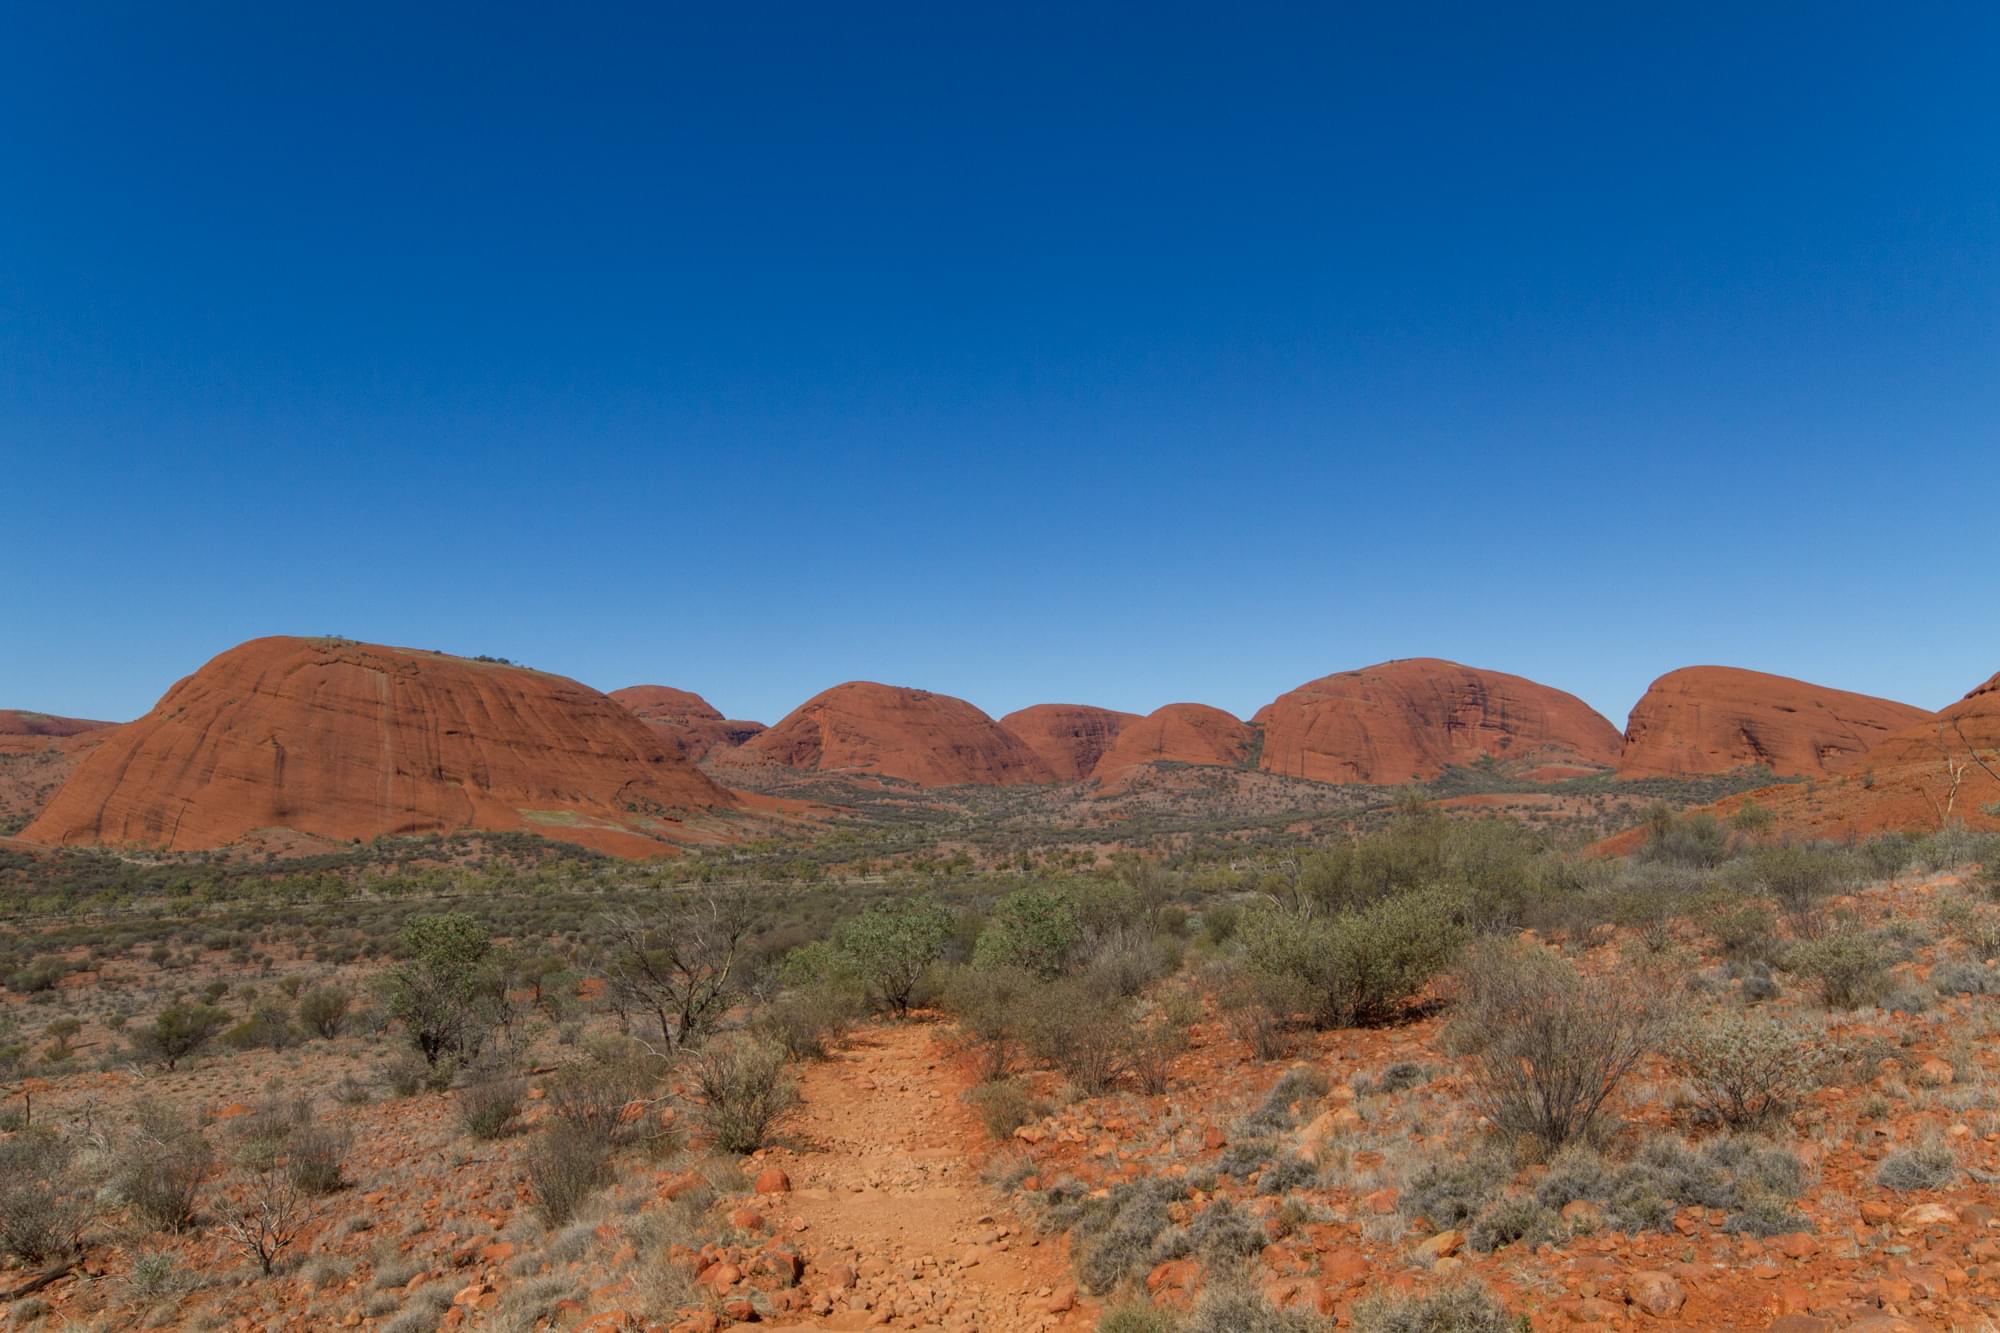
[345, 740]
[870, 730]
[684, 719]
[1177, 733]
[1709, 719]
[1069, 738]
[1410, 719]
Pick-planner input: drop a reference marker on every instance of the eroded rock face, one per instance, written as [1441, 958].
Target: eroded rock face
[38, 752]
[890, 731]
[346, 740]
[1410, 719]
[684, 719]
[1069, 738]
[1716, 719]
[1177, 733]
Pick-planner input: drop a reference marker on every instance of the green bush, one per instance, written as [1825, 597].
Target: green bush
[177, 1032]
[323, 1011]
[1003, 1106]
[488, 1106]
[566, 1165]
[1848, 966]
[164, 1163]
[1358, 967]
[894, 943]
[1036, 929]
[991, 1005]
[1800, 878]
[444, 991]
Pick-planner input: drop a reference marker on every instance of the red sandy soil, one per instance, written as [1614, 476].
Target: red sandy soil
[1177, 733]
[1070, 738]
[1410, 719]
[351, 741]
[883, 1165]
[684, 719]
[1709, 719]
[932, 740]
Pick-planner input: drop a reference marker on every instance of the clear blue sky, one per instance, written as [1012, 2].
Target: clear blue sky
[1100, 354]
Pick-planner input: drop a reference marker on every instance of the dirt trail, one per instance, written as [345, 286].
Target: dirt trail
[884, 1163]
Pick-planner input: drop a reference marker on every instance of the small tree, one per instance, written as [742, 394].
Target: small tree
[263, 1215]
[177, 1032]
[894, 943]
[443, 990]
[678, 964]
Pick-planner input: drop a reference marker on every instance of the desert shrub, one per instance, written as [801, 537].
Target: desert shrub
[1127, 960]
[743, 1092]
[1235, 1309]
[38, 975]
[1259, 1007]
[488, 1105]
[444, 991]
[1801, 878]
[1220, 1234]
[177, 1032]
[267, 1027]
[1965, 978]
[1086, 1037]
[263, 1216]
[1464, 1307]
[1930, 1165]
[1548, 1046]
[1745, 1068]
[806, 1022]
[1847, 965]
[1290, 1100]
[1510, 1220]
[1745, 929]
[316, 1156]
[1161, 1037]
[323, 1011]
[1003, 1106]
[42, 1210]
[894, 943]
[1036, 929]
[593, 1095]
[1451, 1192]
[1219, 922]
[566, 1165]
[1137, 1316]
[164, 1162]
[1752, 1180]
[1113, 1238]
[1697, 840]
[991, 1006]
[1358, 967]
[1286, 1173]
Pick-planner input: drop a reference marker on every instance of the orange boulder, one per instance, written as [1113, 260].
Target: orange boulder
[1410, 719]
[866, 729]
[1714, 719]
[1069, 738]
[345, 740]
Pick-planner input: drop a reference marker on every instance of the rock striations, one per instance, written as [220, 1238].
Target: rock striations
[1709, 719]
[1410, 719]
[345, 740]
[1069, 738]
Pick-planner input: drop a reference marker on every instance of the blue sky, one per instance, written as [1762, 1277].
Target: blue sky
[1026, 353]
